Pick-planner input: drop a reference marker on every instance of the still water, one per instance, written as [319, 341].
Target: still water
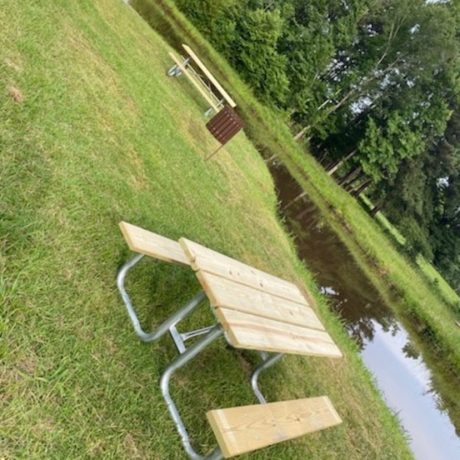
[386, 346]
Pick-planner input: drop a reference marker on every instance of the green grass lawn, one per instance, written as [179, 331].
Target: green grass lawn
[93, 132]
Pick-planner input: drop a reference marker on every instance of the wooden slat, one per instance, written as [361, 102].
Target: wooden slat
[153, 245]
[198, 85]
[222, 292]
[202, 258]
[256, 333]
[247, 428]
[210, 76]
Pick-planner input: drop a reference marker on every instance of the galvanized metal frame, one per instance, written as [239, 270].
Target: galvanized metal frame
[169, 324]
[180, 361]
[267, 361]
[176, 71]
[185, 354]
[210, 334]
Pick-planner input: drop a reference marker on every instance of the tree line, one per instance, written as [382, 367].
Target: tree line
[373, 87]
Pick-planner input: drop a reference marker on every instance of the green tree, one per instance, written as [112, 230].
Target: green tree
[256, 58]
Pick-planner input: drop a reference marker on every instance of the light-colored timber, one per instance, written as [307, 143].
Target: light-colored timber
[198, 84]
[227, 293]
[210, 76]
[210, 261]
[256, 333]
[257, 310]
[153, 245]
[247, 428]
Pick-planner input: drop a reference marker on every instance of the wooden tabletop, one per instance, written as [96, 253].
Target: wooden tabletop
[258, 310]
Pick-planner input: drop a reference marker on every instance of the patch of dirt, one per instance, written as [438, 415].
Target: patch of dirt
[129, 443]
[8, 376]
[95, 449]
[43, 426]
[28, 364]
[137, 177]
[246, 365]
[15, 94]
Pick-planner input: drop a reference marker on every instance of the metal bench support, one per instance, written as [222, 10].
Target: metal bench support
[166, 325]
[180, 361]
[267, 361]
[176, 70]
[185, 354]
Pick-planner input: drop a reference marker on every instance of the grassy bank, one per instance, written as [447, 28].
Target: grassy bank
[93, 132]
[440, 285]
[391, 272]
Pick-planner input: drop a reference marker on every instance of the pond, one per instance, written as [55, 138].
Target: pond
[404, 373]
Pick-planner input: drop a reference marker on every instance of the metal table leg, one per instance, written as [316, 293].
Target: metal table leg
[180, 361]
[166, 325]
[267, 362]
[186, 354]
[176, 70]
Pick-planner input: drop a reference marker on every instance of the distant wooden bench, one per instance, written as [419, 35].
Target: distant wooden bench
[202, 78]
[257, 311]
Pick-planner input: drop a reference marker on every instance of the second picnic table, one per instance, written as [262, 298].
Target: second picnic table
[202, 78]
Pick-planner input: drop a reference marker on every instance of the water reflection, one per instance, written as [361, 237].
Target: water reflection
[351, 293]
[385, 345]
[405, 382]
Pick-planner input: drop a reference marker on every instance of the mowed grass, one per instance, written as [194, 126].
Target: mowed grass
[93, 132]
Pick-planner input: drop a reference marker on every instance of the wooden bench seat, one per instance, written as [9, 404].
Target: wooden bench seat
[153, 245]
[243, 429]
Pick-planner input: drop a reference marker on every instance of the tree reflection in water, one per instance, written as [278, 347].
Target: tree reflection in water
[364, 313]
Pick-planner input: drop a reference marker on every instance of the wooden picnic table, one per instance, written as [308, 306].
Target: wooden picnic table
[201, 78]
[254, 310]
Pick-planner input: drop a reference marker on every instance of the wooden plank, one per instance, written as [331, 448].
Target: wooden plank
[153, 245]
[198, 85]
[205, 259]
[255, 333]
[230, 294]
[247, 428]
[210, 76]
